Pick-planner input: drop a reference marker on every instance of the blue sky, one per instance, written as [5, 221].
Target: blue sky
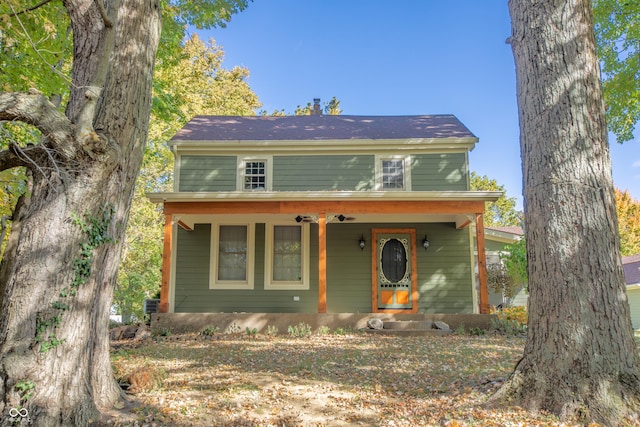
[407, 57]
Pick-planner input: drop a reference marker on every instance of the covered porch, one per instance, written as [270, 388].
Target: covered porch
[459, 209]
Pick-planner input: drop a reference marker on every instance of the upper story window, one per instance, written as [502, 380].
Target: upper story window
[253, 174]
[392, 173]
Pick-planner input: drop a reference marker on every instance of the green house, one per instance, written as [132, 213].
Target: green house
[323, 214]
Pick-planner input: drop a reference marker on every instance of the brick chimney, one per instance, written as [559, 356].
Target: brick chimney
[316, 107]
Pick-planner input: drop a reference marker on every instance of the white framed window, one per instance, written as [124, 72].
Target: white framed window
[286, 256]
[254, 174]
[232, 256]
[392, 173]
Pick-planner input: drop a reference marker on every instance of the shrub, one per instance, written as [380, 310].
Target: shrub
[510, 320]
[272, 330]
[324, 330]
[300, 330]
[233, 329]
[210, 331]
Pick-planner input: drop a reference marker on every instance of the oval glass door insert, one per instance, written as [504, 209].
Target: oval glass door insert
[394, 261]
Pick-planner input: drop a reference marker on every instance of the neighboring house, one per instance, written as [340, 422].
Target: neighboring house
[317, 214]
[631, 267]
[497, 238]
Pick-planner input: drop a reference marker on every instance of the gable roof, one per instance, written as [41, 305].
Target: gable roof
[631, 267]
[321, 127]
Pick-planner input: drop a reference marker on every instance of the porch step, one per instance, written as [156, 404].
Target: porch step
[408, 324]
[411, 328]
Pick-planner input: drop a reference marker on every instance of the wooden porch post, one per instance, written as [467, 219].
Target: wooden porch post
[322, 263]
[166, 264]
[482, 266]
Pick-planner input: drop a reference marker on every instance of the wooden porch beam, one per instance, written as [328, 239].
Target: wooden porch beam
[483, 288]
[322, 263]
[166, 264]
[351, 207]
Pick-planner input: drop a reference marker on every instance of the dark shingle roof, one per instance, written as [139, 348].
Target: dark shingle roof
[320, 127]
[631, 266]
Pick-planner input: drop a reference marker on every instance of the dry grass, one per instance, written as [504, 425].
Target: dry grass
[328, 380]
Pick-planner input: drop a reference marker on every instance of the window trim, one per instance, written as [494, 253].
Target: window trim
[406, 172]
[214, 283]
[242, 160]
[269, 283]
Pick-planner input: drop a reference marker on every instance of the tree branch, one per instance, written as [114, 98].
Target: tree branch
[29, 9]
[103, 12]
[35, 109]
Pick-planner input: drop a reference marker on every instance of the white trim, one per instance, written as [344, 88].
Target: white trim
[228, 196]
[312, 146]
[475, 283]
[214, 283]
[176, 170]
[268, 161]
[172, 267]
[269, 283]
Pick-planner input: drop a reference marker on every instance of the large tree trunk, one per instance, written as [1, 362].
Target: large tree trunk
[580, 360]
[59, 268]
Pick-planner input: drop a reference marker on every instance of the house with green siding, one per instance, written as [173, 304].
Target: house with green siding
[631, 267]
[323, 214]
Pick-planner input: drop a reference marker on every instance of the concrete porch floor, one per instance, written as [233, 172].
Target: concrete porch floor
[179, 323]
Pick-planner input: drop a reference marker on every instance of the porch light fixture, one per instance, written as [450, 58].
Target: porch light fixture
[298, 218]
[362, 242]
[425, 243]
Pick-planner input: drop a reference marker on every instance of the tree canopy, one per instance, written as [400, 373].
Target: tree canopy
[502, 212]
[617, 31]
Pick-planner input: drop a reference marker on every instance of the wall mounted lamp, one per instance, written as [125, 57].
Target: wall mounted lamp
[362, 242]
[425, 243]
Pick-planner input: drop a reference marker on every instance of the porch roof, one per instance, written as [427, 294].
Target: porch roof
[328, 196]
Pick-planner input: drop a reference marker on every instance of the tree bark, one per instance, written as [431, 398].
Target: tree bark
[84, 174]
[580, 360]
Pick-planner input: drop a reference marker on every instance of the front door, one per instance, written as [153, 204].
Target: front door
[394, 274]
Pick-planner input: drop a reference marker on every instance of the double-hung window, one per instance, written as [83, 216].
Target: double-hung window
[287, 256]
[232, 249]
[392, 173]
[253, 174]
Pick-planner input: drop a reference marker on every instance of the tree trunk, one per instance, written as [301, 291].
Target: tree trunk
[580, 360]
[61, 260]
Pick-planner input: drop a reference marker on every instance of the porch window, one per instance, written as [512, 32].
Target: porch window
[287, 257]
[231, 248]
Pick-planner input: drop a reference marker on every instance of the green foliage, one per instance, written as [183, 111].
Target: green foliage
[25, 389]
[510, 320]
[251, 332]
[514, 259]
[324, 330]
[272, 330]
[617, 30]
[210, 331]
[330, 108]
[301, 330]
[502, 212]
[476, 331]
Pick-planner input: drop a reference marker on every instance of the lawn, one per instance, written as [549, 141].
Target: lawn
[357, 379]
